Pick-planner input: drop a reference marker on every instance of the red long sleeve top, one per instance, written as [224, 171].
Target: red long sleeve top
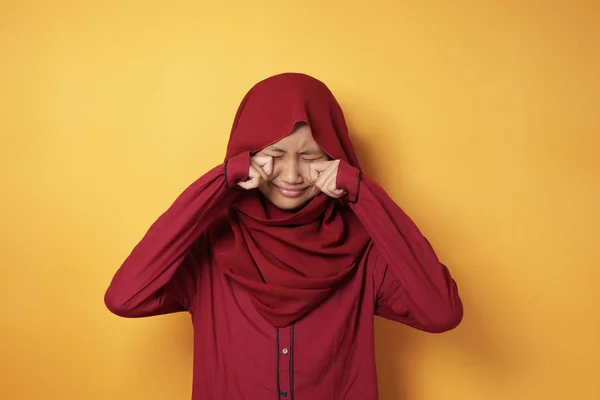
[327, 355]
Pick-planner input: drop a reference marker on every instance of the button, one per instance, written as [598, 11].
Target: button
[285, 350]
[284, 393]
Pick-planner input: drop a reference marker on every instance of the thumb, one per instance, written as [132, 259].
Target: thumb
[251, 183]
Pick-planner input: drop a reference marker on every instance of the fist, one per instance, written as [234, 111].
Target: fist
[260, 169]
[324, 176]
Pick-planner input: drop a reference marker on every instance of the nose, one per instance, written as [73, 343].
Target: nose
[290, 172]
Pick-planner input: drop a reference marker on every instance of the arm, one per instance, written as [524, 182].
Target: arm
[416, 288]
[158, 276]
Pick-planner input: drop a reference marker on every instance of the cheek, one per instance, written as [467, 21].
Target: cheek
[305, 171]
[264, 190]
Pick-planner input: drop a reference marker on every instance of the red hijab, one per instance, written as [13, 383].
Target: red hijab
[290, 262]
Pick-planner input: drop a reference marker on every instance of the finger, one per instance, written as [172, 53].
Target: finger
[265, 163]
[333, 187]
[337, 193]
[320, 182]
[262, 165]
[328, 181]
[331, 167]
[245, 185]
[320, 166]
[313, 173]
[253, 181]
[268, 167]
[330, 187]
[327, 174]
[329, 184]
[320, 169]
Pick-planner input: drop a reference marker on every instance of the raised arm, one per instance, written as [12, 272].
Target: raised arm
[415, 287]
[158, 277]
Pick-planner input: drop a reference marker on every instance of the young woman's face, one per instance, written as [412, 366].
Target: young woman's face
[289, 186]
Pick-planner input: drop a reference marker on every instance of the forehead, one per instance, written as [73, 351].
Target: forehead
[300, 138]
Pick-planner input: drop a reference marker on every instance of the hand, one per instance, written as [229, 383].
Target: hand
[324, 176]
[260, 169]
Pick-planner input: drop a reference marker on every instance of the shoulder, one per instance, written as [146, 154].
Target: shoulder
[220, 226]
[202, 249]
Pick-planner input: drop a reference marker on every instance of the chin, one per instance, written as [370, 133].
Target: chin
[286, 203]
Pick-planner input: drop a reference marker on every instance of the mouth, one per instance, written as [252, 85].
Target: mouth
[291, 193]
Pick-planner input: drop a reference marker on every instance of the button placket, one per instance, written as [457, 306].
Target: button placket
[283, 349]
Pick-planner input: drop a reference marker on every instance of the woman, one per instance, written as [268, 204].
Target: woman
[283, 255]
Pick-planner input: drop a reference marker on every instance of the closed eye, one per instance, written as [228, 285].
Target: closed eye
[311, 159]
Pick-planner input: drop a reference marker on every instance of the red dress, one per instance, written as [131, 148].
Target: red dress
[328, 354]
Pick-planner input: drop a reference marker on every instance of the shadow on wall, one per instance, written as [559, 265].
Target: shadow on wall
[479, 346]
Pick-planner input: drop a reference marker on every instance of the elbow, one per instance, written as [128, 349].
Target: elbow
[115, 305]
[447, 320]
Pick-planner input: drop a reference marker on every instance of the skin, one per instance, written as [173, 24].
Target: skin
[293, 170]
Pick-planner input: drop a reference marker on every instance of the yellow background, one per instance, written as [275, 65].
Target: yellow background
[481, 118]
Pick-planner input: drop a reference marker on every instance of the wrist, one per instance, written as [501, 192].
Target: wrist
[236, 169]
[348, 178]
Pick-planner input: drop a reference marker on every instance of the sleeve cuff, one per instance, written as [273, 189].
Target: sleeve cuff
[348, 179]
[236, 169]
